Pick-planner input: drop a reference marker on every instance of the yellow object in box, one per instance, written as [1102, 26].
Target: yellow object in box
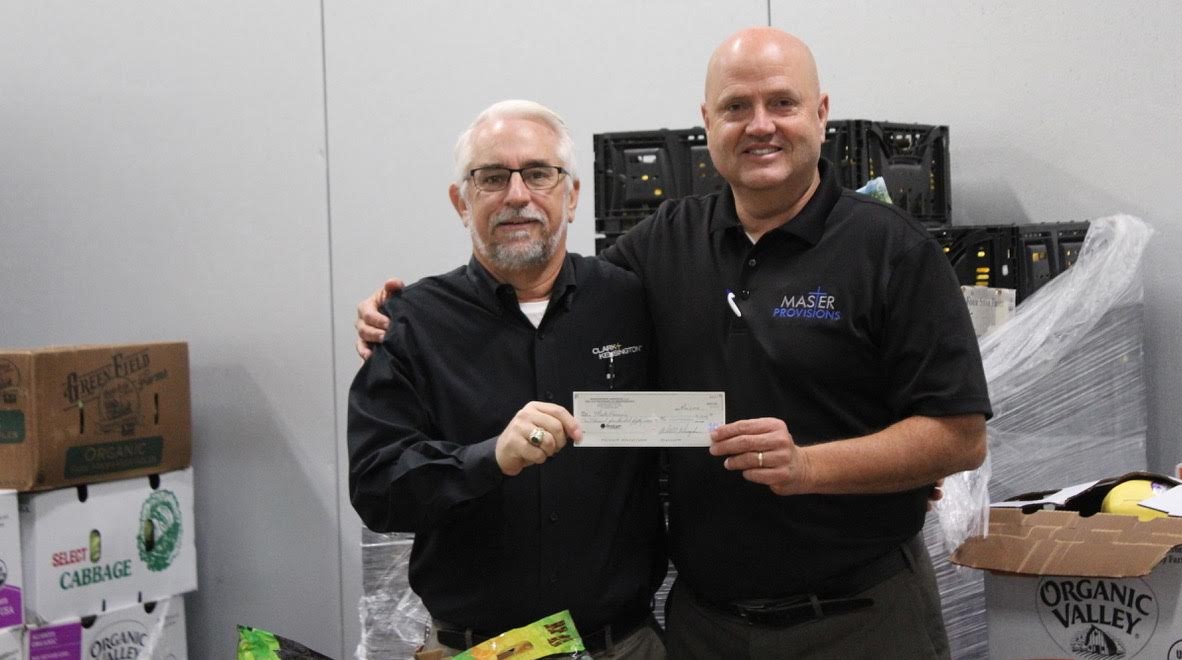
[1125, 499]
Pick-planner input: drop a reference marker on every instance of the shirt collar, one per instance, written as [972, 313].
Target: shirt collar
[808, 224]
[497, 296]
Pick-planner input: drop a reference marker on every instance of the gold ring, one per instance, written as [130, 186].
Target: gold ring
[536, 436]
[759, 455]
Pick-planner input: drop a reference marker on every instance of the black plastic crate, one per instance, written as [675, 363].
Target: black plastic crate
[1019, 257]
[1046, 250]
[983, 255]
[636, 171]
[618, 224]
[911, 158]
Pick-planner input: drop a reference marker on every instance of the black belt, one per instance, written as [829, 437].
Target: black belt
[594, 642]
[838, 595]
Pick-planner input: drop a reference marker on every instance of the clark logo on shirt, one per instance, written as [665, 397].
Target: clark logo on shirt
[611, 351]
[817, 305]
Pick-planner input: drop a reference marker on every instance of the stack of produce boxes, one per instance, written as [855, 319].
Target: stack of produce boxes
[96, 535]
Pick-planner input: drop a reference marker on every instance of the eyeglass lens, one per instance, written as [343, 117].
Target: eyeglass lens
[538, 177]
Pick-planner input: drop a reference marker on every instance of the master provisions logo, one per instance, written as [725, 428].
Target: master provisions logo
[814, 305]
[1096, 618]
[159, 539]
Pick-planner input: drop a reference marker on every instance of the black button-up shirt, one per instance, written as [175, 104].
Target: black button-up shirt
[584, 530]
[844, 320]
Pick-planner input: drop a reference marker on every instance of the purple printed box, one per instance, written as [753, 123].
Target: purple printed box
[11, 607]
[150, 630]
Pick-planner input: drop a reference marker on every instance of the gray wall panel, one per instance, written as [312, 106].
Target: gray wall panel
[163, 177]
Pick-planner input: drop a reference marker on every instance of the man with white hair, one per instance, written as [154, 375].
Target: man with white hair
[459, 423]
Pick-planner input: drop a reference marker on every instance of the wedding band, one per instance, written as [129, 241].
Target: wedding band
[536, 436]
[759, 455]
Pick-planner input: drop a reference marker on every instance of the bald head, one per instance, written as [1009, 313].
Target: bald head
[765, 117]
[762, 47]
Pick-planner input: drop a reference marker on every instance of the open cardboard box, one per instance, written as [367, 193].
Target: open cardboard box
[1068, 582]
[81, 414]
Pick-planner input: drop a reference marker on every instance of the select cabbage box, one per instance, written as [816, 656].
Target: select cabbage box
[80, 414]
[11, 582]
[93, 549]
[154, 630]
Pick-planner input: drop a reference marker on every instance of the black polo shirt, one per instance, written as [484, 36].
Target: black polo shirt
[583, 531]
[850, 318]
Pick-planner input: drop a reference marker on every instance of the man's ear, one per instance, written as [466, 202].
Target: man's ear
[458, 201]
[572, 202]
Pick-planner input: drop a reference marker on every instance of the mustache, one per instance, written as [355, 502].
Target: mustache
[527, 213]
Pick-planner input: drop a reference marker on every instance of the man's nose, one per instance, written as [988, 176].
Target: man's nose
[761, 122]
[517, 194]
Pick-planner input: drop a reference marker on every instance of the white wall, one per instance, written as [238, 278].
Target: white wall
[239, 174]
[162, 176]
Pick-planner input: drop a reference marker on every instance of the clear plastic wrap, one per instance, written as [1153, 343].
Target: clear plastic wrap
[1067, 385]
[393, 620]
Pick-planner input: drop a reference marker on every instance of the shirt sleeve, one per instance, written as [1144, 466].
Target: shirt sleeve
[401, 476]
[931, 350]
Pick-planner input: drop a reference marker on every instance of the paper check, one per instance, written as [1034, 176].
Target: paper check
[648, 419]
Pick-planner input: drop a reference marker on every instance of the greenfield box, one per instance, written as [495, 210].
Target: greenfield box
[93, 549]
[81, 414]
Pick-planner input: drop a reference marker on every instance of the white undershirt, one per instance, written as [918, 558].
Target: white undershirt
[534, 310]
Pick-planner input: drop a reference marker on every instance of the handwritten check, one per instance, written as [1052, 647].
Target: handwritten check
[648, 419]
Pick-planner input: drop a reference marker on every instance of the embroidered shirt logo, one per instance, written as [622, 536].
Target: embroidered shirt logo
[611, 351]
[816, 304]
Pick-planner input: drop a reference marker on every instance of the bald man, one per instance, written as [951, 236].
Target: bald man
[836, 327]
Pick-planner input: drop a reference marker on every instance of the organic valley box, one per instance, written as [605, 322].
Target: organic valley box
[82, 414]
[93, 549]
[1065, 585]
[11, 610]
[149, 631]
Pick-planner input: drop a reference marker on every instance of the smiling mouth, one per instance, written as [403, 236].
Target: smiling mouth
[517, 222]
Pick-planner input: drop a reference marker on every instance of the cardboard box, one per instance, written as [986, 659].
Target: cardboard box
[1073, 584]
[11, 582]
[93, 549]
[82, 414]
[148, 631]
[12, 645]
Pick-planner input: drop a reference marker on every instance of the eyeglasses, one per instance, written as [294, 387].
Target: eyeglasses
[535, 177]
